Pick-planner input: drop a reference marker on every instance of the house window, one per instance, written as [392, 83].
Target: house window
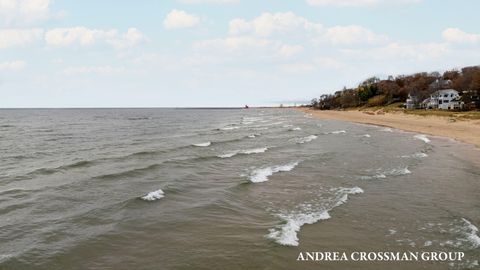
[440, 102]
[446, 95]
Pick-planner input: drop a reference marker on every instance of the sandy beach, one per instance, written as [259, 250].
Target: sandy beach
[467, 131]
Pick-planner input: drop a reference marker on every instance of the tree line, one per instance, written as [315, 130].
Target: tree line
[376, 92]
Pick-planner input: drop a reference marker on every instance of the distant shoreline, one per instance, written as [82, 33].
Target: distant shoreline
[467, 131]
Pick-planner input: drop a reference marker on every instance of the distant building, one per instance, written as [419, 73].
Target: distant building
[412, 102]
[447, 99]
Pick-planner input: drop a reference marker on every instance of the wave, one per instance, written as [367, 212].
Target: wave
[253, 135]
[337, 132]
[306, 139]
[387, 129]
[261, 175]
[366, 135]
[245, 152]
[229, 128]
[422, 137]
[287, 234]
[153, 196]
[471, 232]
[385, 174]
[295, 129]
[416, 155]
[205, 144]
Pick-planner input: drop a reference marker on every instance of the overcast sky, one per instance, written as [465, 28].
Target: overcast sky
[176, 53]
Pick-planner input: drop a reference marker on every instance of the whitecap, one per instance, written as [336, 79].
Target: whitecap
[205, 144]
[295, 129]
[253, 135]
[154, 195]
[254, 151]
[471, 232]
[228, 155]
[387, 130]
[366, 135]
[422, 137]
[287, 126]
[306, 139]
[261, 175]
[338, 132]
[287, 234]
[416, 155]
[384, 174]
[229, 128]
[245, 152]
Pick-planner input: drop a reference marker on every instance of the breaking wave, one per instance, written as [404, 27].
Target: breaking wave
[205, 144]
[337, 132]
[286, 234]
[153, 196]
[422, 137]
[383, 174]
[245, 152]
[306, 139]
[261, 175]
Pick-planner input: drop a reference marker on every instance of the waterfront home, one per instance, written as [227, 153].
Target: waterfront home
[447, 99]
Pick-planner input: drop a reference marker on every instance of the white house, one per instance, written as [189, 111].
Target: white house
[447, 99]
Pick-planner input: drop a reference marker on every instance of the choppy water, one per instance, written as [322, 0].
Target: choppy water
[226, 189]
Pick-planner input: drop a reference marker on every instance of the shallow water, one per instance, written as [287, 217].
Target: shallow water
[226, 189]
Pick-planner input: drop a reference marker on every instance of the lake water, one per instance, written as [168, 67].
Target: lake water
[227, 189]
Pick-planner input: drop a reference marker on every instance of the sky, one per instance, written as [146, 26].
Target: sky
[221, 53]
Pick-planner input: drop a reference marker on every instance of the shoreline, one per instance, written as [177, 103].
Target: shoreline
[467, 131]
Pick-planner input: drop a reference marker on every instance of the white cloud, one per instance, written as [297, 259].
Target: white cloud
[19, 37]
[13, 65]
[24, 11]
[271, 23]
[268, 24]
[102, 70]
[290, 50]
[209, 1]
[233, 44]
[397, 51]
[352, 34]
[358, 3]
[180, 19]
[456, 35]
[131, 38]
[82, 36]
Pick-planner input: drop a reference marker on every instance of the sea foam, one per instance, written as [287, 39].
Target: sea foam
[154, 195]
[287, 233]
[261, 175]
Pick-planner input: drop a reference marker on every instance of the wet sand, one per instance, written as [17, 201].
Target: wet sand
[467, 131]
